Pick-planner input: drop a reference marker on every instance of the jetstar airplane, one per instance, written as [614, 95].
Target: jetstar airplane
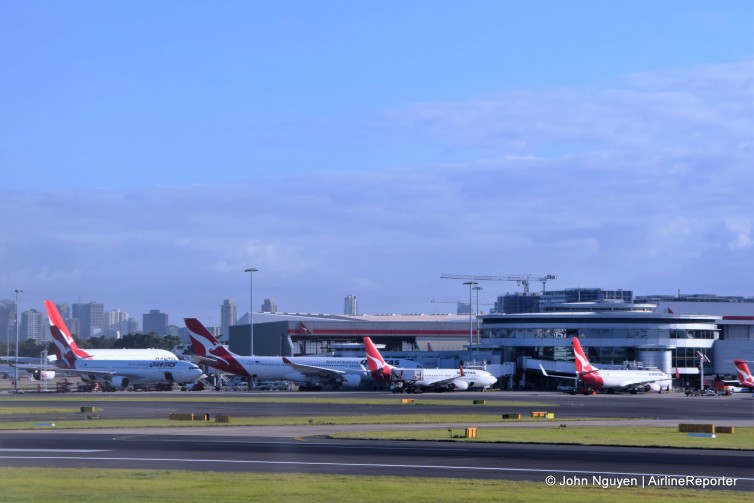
[420, 380]
[116, 368]
[315, 372]
[612, 380]
[744, 374]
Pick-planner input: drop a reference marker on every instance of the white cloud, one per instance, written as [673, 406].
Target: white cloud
[740, 227]
[637, 188]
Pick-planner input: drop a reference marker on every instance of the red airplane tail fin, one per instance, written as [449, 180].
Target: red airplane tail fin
[66, 349]
[203, 342]
[209, 350]
[582, 362]
[744, 374]
[377, 366]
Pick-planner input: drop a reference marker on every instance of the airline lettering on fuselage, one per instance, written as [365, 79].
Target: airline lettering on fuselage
[395, 363]
[163, 364]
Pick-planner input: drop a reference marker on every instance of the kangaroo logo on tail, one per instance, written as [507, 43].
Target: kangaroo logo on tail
[377, 366]
[585, 371]
[208, 348]
[582, 363]
[744, 374]
[66, 348]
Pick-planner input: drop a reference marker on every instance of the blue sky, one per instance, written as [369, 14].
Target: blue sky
[153, 151]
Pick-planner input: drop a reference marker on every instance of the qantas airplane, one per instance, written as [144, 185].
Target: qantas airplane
[116, 368]
[315, 372]
[420, 380]
[744, 374]
[612, 380]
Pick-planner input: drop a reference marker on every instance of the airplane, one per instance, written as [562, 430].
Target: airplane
[39, 368]
[744, 374]
[612, 380]
[420, 380]
[115, 368]
[316, 372]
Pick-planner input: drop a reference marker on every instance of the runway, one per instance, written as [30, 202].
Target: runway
[307, 449]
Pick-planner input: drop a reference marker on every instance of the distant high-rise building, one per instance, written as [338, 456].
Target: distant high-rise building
[117, 324]
[7, 314]
[351, 304]
[64, 310]
[91, 318]
[73, 326]
[155, 322]
[133, 327]
[269, 306]
[228, 316]
[31, 326]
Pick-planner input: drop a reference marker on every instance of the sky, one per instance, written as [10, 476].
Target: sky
[153, 151]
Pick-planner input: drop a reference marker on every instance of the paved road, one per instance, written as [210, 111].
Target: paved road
[737, 409]
[307, 450]
[325, 456]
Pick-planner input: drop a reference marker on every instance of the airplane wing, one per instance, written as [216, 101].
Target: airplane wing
[442, 382]
[628, 384]
[208, 360]
[65, 372]
[11, 360]
[559, 375]
[314, 371]
[101, 374]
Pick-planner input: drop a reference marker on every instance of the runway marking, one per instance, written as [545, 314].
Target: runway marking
[54, 450]
[377, 465]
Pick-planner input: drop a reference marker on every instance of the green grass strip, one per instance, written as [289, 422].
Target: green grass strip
[415, 418]
[256, 398]
[27, 485]
[742, 439]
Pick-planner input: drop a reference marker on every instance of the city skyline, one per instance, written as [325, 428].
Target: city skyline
[120, 321]
[152, 153]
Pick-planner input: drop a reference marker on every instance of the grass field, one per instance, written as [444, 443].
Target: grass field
[85, 399]
[116, 486]
[743, 438]
[21, 485]
[252, 421]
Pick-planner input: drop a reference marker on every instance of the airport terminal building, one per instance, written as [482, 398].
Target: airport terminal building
[614, 333]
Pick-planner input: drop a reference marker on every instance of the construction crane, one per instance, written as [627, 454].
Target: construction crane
[458, 302]
[520, 279]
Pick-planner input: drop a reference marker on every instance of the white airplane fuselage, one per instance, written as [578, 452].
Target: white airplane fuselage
[447, 378]
[131, 354]
[654, 380]
[138, 371]
[272, 368]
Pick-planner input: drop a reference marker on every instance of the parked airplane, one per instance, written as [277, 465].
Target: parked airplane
[611, 380]
[40, 368]
[116, 368]
[314, 371]
[744, 374]
[420, 380]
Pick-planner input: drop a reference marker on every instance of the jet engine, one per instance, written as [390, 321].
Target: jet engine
[39, 375]
[460, 385]
[119, 382]
[351, 381]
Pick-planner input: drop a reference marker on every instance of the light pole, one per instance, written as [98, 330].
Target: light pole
[251, 272]
[471, 320]
[15, 369]
[476, 314]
